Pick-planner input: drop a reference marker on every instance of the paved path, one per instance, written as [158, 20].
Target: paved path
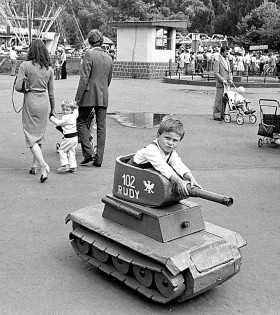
[39, 272]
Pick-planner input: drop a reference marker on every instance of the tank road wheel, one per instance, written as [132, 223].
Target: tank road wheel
[252, 119]
[99, 254]
[260, 142]
[83, 246]
[143, 275]
[239, 119]
[227, 118]
[169, 285]
[120, 265]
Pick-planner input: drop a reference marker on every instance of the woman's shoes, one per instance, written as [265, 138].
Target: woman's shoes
[45, 171]
[33, 170]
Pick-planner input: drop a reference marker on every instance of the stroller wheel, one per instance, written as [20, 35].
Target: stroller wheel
[239, 119]
[252, 119]
[57, 147]
[227, 118]
[260, 142]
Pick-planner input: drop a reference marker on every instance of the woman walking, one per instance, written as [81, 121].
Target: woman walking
[38, 102]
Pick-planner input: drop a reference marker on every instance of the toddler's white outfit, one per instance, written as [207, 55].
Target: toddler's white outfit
[67, 149]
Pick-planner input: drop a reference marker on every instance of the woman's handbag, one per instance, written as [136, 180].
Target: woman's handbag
[24, 89]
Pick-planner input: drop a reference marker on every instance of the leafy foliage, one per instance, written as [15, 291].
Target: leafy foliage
[247, 21]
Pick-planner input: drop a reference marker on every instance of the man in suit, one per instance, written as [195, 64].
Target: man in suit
[92, 94]
[223, 74]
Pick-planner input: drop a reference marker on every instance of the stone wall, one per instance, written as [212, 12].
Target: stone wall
[140, 70]
[122, 69]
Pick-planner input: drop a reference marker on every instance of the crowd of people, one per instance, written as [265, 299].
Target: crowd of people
[241, 62]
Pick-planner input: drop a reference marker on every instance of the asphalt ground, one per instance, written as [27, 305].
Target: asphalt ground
[39, 271]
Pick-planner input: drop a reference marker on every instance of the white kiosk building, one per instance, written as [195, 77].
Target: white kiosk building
[145, 49]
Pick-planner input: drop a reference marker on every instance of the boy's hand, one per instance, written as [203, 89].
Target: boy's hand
[182, 189]
[189, 176]
[193, 183]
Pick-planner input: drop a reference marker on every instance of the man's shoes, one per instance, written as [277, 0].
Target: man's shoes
[73, 170]
[94, 161]
[87, 160]
[96, 164]
[218, 119]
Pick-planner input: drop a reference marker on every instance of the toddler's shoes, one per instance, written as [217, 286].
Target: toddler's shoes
[63, 169]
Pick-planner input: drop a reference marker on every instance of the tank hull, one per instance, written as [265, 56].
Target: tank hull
[162, 271]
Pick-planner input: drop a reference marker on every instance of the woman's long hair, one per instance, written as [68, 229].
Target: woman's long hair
[38, 53]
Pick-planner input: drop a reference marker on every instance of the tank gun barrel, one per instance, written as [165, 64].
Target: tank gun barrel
[208, 195]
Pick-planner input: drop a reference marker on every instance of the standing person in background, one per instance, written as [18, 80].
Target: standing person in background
[13, 57]
[38, 102]
[63, 65]
[92, 93]
[240, 64]
[182, 60]
[187, 60]
[223, 76]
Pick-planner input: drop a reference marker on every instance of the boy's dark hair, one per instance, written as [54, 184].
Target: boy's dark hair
[38, 53]
[172, 125]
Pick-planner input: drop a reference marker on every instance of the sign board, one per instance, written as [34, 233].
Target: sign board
[195, 36]
[258, 47]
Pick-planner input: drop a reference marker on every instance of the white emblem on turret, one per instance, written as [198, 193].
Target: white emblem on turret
[149, 187]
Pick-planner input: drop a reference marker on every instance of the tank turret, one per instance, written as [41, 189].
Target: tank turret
[148, 187]
[154, 241]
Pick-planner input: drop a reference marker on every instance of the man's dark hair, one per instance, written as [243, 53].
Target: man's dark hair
[95, 38]
[38, 53]
[224, 48]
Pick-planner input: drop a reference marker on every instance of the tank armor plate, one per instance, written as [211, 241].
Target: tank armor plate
[163, 224]
[178, 269]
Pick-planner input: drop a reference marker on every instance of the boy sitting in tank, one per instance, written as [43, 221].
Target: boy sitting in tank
[161, 154]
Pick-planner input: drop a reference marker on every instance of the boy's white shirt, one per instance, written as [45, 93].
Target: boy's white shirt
[155, 155]
[67, 122]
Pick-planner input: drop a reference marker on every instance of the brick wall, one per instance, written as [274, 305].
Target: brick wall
[140, 70]
[122, 69]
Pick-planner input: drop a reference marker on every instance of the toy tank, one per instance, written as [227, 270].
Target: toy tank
[152, 241]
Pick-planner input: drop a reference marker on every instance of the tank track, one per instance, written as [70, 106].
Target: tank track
[138, 272]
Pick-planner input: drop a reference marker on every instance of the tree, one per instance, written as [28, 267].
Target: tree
[200, 16]
[261, 27]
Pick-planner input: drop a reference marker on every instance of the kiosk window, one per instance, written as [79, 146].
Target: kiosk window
[163, 38]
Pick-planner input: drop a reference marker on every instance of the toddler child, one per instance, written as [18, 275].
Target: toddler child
[238, 100]
[162, 155]
[67, 149]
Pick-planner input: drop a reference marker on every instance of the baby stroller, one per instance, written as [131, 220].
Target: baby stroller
[235, 102]
[269, 127]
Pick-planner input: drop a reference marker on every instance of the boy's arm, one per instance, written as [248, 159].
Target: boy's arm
[182, 170]
[153, 155]
[59, 122]
[189, 176]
